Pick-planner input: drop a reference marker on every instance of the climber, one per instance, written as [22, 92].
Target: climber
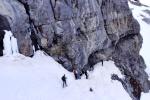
[75, 71]
[85, 73]
[102, 62]
[91, 68]
[64, 80]
[75, 74]
[2, 33]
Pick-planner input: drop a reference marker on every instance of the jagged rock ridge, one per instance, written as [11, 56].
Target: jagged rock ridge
[79, 34]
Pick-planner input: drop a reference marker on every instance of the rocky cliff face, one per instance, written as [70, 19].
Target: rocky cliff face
[80, 33]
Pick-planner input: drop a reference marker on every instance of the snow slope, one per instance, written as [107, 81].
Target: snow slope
[39, 78]
[146, 2]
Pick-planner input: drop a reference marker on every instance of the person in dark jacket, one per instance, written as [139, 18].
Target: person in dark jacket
[85, 73]
[64, 80]
[102, 62]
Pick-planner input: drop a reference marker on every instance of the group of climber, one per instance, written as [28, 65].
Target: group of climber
[77, 75]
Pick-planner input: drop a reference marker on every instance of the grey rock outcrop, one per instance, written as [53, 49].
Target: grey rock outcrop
[80, 33]
[19, 23]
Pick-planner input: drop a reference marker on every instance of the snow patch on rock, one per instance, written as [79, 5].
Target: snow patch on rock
[10, 44]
